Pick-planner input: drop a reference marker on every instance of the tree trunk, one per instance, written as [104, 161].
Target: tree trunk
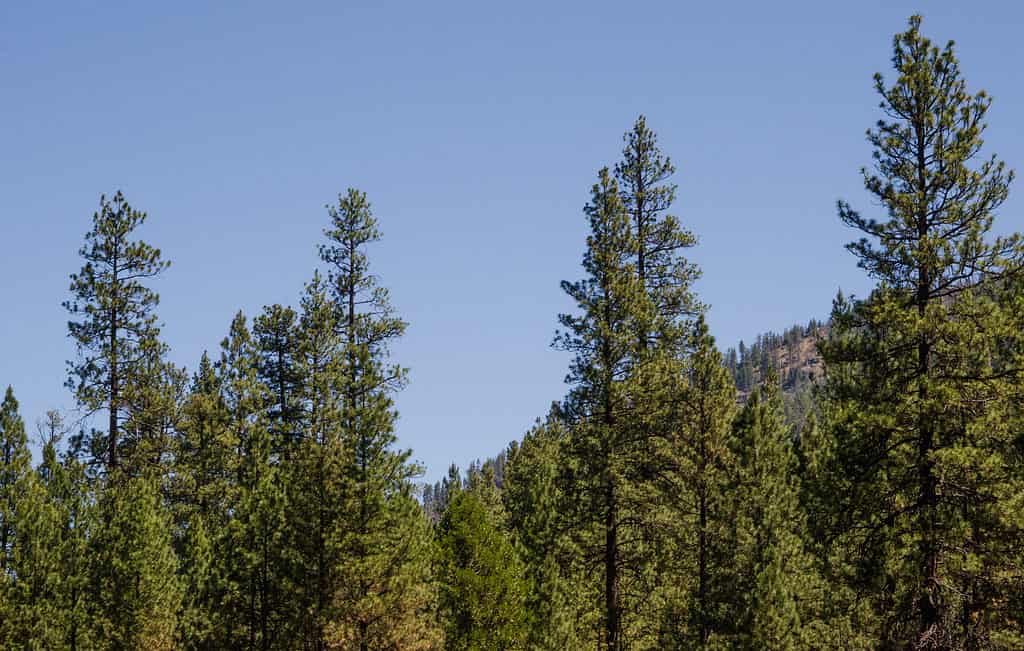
[929, 599]
[114, 391]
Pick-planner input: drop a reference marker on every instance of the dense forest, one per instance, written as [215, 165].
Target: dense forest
[854, 483]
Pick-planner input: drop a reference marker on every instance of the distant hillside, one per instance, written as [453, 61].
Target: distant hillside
[793, 355]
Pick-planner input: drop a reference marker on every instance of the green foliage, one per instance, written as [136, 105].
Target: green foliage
[776, 583]
[533, 500]
[924, 373]
[697, 561]
[383, 595]
[483, 582]
[134, 592]
[604, 457]
[15, 463]
[116, 333]
[276, 335]
[255, 570]
[660, 240]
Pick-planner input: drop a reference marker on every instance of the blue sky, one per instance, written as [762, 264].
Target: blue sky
[477, 130]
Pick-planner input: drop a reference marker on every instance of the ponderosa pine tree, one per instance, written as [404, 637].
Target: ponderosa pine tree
[154, 407]
[74, 497]
[924, 374]
[317, 485]
[606, 456]
[276, 334]
[482, 580]
[31, 614]
[532, 499]
[699, 554]
[256, 568]
[664, 338]
[385, 597]
[15, 463]
[203, 495]
[778, 592]
[134, 593]
[116, 333]
[666, 275]
[481, 480]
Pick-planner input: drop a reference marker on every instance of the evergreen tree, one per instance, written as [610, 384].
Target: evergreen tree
[34, 617]
[483, 584]
[481, 480]
[606, 455]
[664, 273]
[255, 572]
[699, 557]
[384, 595]
[134, 592]
[778, 590]
[276, 333]
[15, 463]
[116, 332]
[317, 484]
[73, 496]
[204, 492]
[155, 406]
[924, 373]
[532, 499]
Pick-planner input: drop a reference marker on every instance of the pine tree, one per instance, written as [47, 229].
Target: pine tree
[923, 374]
[15, 463]
[35, 615]
[74, 498]
[482, 481]
[532, 499]
[384, 596]
[699, 557]
[154, 405]
[204, 493]
[607, 455]
[778, 588]
[664, 273]
[317, 483]
[276, 333]
[20, 512]
[483, 583]
[664, 339]
[256, 568]
[116, 334]
[134, 592]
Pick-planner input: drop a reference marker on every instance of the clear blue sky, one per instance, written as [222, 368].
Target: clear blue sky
[477, 129]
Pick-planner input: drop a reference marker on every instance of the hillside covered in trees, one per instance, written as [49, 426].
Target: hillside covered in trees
[856, 483]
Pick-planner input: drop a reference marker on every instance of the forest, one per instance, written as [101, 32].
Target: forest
[678, 496]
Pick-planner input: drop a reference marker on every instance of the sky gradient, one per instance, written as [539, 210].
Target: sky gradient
[477, 131]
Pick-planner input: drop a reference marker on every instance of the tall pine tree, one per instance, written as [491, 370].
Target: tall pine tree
[115, 329]
[384, 596]
[606, 458]
[923, 373]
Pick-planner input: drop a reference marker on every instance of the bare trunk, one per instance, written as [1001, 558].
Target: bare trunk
[114, 394]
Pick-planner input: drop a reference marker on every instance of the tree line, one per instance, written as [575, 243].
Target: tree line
[260, 501]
